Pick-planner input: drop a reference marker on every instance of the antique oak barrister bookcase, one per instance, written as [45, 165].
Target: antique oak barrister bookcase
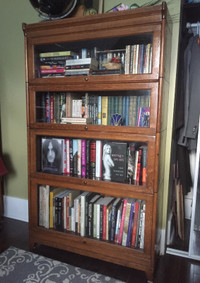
[111, 31]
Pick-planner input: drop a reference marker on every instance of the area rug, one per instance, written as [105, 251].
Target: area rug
[18, 266]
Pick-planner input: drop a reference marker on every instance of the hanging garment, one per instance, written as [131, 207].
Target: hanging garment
[188, 133]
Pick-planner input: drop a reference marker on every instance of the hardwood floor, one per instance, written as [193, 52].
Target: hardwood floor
[169, 268]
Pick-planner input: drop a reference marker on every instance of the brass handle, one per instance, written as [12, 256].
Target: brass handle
[86, 79]
[86, 128]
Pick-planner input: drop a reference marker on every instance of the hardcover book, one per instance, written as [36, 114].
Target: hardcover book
[131, 163]
[52, 155]
[44, 206]
[114, 161]
[143, 117]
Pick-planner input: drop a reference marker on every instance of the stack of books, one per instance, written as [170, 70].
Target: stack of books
[52, 64]
[82, 66]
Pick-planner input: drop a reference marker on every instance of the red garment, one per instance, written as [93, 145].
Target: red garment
[3, 169]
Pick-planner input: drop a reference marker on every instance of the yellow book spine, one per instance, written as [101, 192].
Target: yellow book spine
[104, 106]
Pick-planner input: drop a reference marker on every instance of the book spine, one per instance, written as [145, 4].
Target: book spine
[95, 220]
[104, 110]
[126, 224]
[79, 158]
[143, 227]
[104, 222]
[139, 168]
[83, 158]
[117, 228]
[67, 213]
[67, 156]
[82, 232]
[71, 157]
[127, 110]
[92, 159]
[75, 156]
[135, 223]
[98, 221]
[51, 209]
[52, 71]
[64, 156]
[58, 213]
[122, 222]
[48, 117]
[144, 165]
[87, 158]
[128, 242]
[98, 159]
[41, 205]
[113, 222]
[99, 110]
[90, 220]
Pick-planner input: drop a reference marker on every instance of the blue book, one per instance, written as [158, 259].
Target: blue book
[124, 109]
[141, 59]
[127, 110]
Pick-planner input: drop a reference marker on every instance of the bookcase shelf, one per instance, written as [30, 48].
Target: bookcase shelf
[64, 108]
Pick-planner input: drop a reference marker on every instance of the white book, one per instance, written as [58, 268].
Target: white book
[76, 212]
[72, 228]
[95, 220]
[98, 225]
[98, 159]
[44, 206]
[79, 158]
[67, 156]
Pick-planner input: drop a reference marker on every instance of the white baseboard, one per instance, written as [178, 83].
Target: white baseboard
[15, 208]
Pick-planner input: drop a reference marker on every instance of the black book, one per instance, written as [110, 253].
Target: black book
[92, 159]
[52, 155]
[114, 161]
[115, 207]
[87, 158]
[91, 214]
[131, 163]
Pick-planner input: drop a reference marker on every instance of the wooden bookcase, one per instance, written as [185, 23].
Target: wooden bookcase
[110, 31]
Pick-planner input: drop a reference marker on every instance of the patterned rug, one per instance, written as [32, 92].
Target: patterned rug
[19, 266]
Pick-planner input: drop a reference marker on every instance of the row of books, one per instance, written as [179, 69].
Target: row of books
[95, 159]
[117, 220]
[134, 59]
[117, 110]
[138, 59]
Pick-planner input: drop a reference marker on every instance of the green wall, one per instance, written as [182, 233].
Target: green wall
[12, 92]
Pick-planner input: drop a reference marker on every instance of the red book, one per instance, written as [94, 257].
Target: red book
[122, 222]
[53, 71]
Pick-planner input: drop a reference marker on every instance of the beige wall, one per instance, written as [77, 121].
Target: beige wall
[12, 93]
